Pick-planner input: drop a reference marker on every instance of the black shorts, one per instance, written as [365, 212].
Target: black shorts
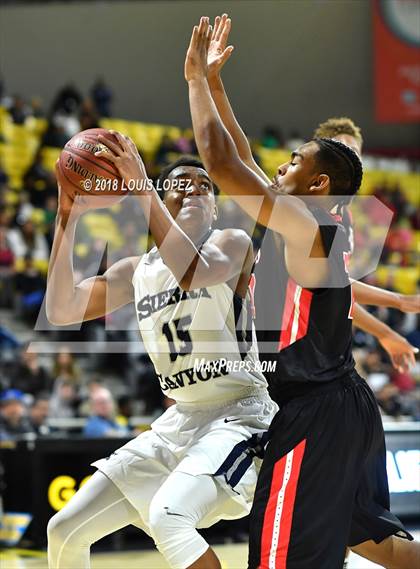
[323, 482]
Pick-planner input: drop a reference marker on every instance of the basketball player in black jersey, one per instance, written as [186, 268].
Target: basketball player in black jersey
[400, 351]
[327, 437]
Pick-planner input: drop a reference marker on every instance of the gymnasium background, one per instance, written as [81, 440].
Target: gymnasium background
[68, 66]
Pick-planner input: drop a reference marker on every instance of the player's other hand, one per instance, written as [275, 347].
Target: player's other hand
[218, 53]
[401, 352]
[196, 59]
[409, 303]
[125, 158]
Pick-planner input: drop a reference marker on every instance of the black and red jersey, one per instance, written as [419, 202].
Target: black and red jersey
[306, 332]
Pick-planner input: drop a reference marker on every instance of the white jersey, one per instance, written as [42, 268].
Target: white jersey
[202, 342]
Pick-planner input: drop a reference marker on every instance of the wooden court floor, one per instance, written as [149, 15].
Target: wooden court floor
[232, 556]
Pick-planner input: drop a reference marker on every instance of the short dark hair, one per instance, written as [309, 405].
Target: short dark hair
[185, 160]
[342, 165]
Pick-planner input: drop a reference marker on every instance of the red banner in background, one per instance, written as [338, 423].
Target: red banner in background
[396, 28]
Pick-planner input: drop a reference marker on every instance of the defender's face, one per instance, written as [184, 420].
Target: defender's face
[190, 197]
[295, 177]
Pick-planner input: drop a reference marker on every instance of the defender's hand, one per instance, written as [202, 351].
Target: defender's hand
[218, 53]
[196, 59]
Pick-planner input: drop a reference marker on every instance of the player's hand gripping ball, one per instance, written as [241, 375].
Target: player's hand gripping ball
[84, 174]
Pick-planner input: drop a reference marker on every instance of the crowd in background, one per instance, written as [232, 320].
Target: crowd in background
[36, 389]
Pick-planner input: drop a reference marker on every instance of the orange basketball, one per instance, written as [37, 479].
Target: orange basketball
[85, 173]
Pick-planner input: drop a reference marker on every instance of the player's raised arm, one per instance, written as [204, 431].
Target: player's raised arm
[218, 150]
[203, 262]
[268, 205]
[68, 302]
[218, 53]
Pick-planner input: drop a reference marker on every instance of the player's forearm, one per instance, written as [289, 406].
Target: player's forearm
[228, 118]
[368, 323]
[60, 293]
[215, 145]
[371, 295]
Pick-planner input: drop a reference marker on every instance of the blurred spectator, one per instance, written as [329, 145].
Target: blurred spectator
[375, 371]
[28, 376]
[19, 111]
[64, 400]
[7, 270]
[88, 116]
[389, 400]
[50, 212]
[39, 182]
[55, 135]
[65, 366]
[67, 100]
[30, 285]
[28, 240]
[13, 419]
[86, 393]
[185, 144]
[102, 421]
[413, 336]
[68, 122]
[102, 97]
[166, 147]
[6, 254]
[398, 240]
[8, 340]
[403, 380]
[36, 108]
[271, 137]
[38, 415]
[125, 410]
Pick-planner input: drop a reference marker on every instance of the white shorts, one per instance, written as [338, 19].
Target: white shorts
[225, 441]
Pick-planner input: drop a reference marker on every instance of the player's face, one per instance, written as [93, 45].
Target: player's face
[190, 196]
[297, 176]
[351, 141]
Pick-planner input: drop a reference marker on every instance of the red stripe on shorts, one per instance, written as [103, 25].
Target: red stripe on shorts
[278, 515]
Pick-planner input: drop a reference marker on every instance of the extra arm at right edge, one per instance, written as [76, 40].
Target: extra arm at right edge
[400, 351]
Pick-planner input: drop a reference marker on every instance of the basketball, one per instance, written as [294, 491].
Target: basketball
[85, 173]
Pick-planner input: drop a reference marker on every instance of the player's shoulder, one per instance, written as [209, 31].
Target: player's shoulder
[231, 236]
[125, 267]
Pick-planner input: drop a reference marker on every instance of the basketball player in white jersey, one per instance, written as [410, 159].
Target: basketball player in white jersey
[199, 462]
